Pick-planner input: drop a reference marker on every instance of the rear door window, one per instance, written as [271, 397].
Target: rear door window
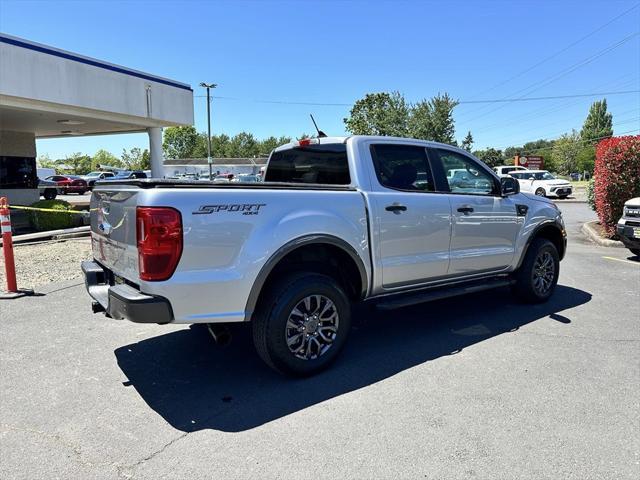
[321, 164]
[402, 167]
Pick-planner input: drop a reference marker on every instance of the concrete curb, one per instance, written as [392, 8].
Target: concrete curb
[589, 230]
[560, 202]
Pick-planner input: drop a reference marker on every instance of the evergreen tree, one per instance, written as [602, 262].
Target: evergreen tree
[598, 124]
[467, 143]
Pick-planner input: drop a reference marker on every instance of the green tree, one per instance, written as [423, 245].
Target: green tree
[179, 142]
[586, 158]
[219, 145]
[598, 124]
[80, 163]
[268, 144]
[136, 159]
[380, 113]
[44, 161]
[467, 143]
[491, 156]
[103, 158]
[565, 152]
[242, 145]
[433, 119]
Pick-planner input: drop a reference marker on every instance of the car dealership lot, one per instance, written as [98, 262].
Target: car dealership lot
[476, 387]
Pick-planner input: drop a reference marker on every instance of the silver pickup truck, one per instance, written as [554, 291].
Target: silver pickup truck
[336, 221]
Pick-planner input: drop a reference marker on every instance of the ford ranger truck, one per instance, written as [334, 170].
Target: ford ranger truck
[337, 221]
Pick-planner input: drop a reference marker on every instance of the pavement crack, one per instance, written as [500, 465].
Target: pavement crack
[122, 470]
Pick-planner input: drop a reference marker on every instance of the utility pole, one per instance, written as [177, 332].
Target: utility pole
[208, 86]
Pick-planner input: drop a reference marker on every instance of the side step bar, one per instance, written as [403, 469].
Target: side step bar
[438, 293]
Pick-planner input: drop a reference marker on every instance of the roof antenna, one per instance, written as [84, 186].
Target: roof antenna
[321, 134]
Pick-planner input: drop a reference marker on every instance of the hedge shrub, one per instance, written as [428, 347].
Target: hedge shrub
[617, 178]
[44, 221]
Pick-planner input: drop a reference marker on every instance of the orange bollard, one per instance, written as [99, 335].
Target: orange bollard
[7, 246]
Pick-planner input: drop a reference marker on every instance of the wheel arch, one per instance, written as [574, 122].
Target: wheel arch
[350, 269]
[550, 230]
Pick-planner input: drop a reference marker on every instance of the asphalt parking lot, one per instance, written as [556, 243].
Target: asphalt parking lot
[474, 387]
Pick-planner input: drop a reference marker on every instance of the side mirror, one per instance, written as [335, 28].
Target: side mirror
[509, 185]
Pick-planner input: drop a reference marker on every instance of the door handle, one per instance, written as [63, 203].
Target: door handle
[465, 209]
[395, 208]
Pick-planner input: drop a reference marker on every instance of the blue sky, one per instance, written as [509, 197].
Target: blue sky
[337, 51]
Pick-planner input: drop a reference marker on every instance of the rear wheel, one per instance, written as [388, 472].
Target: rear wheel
[302, 323]
[537, 277]
[50, 193]
[540, 192]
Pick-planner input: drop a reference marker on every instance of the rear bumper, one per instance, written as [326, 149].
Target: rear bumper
[123, 301]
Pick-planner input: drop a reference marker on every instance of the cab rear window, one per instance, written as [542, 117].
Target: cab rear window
[321, 164]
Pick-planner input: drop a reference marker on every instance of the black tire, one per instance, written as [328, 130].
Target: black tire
[270, 324]
[635, 251]
[50, 193]
[540, 192]
[528, 287]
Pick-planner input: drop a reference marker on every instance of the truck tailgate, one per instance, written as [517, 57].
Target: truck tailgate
[113, 229]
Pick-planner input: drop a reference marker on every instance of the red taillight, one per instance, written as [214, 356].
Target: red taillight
[159, 235]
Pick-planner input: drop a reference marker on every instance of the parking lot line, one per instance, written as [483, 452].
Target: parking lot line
[622, 260]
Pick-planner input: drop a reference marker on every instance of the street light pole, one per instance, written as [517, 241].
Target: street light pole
[209, 159]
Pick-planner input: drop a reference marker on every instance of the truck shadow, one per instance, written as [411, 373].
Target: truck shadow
[195, 385]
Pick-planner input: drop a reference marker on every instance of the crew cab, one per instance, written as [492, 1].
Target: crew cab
[542, 183]
[337, 221]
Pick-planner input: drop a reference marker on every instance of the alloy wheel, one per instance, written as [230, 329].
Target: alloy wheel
[544, 271]
[312, 327]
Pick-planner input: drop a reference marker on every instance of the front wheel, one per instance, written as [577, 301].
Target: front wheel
[302, 323]
[50, 194]
[537, 277]
[540, 192]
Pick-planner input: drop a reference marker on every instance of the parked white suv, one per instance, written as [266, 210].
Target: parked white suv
[505, 170]
[542, 183]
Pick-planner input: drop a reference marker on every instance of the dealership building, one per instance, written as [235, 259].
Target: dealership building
[46, 92]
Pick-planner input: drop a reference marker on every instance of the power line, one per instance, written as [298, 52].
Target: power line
[540, 112]
[554, 97]
[495, 100]
[552, 78]
[554, 55]
[515, 144]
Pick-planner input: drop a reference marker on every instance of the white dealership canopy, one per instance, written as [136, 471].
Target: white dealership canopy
[46, 92]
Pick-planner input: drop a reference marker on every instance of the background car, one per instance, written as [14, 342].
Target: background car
[48, 189]
[628, 227]
[127, 175]
[69, 184]
[505, 170]
[542, 183]
[93, 177]
[246, 178]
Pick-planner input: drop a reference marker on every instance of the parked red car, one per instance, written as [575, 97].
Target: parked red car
[69, 184]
